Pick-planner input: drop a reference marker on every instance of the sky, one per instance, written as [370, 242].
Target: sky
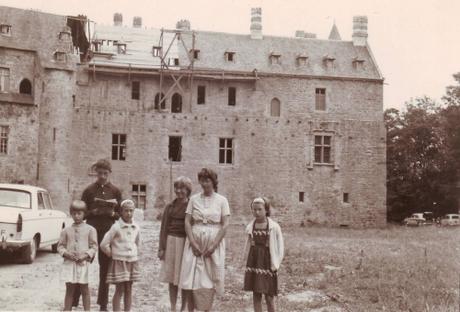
[416, 42]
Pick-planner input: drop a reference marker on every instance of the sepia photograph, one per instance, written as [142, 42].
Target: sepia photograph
[230, 155]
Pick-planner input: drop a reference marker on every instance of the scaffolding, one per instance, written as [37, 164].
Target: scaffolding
[176, 75]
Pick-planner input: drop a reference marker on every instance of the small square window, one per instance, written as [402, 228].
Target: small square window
[195, 54]
[173, 61]
[121, 48]
[275, 59]
[59, 56]
[230, 56]
[5, 29]
[302, 60]
[156, 51]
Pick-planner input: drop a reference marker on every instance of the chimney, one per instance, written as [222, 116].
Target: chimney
[359, 30]
[117, 19]
[256, 23]
[300, 34]
[183, 24]
[303, 34]
[137, 22]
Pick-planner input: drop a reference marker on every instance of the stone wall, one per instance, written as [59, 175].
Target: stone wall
[272, 155]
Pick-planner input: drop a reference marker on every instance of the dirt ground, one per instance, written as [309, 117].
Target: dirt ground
[324, 270]
[36, 287]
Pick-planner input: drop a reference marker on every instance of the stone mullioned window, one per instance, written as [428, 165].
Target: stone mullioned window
[4, 133]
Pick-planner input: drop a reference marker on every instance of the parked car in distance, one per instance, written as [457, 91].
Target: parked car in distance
[419, 219]
[28, 220]
[451, 219]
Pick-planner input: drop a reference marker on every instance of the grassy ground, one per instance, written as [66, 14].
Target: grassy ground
[393, 269]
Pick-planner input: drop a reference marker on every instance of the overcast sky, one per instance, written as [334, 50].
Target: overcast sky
[416, 42]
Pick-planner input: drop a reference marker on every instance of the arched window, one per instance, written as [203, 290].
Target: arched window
[159, 105]
[25, 87]
[176, 103]
[275, 108]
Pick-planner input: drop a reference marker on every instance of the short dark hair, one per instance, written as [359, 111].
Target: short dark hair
[103, 164]
[207, 173]
[266, 205]
[78, 205]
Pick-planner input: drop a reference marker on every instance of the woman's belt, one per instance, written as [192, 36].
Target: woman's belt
[206, 222]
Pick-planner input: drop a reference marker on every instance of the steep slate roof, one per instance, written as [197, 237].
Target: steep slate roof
[254, 54]
[139, 43]
[30, 29]
[250, 53]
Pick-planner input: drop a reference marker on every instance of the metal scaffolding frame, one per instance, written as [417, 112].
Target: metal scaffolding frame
[164, 69]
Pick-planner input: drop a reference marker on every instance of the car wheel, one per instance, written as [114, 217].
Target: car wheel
[54, 248]
[30, 251]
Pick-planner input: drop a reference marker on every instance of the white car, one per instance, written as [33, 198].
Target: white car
[450, 219]
[28, 220]
[416, 219]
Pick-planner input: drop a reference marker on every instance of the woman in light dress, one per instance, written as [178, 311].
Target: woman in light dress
[203, 261]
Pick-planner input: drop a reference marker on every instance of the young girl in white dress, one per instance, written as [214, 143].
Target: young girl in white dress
[121, 244]
[78, 245]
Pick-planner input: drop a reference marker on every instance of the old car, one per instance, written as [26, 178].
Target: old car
[451, 219]
[416, 219]
[28, 220]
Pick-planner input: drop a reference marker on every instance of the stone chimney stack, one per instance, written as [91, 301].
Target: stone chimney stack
[137, 22]
[183, 24]
[256, 23]
[117, 19]
[359, 30]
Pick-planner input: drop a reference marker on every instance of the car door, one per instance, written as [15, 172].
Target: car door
[42, 222]
[56, 218]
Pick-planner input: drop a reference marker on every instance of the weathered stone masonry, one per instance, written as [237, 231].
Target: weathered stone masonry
[76, 107]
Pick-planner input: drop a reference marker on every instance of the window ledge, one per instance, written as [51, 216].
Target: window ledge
[17, 98]
[323, 164]
[226, 165]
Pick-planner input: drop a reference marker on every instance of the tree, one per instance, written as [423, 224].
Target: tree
[417, 160]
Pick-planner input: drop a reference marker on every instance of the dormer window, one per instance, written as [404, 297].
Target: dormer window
[301, 60]
[96, 45]
[64, 35]
[195, 54]
[156, 51]
[230, 56]
[5, 29]
[121, 48]
[328, 61]
[174, 61]
[358, 63]
[59, 56]
[275, 58]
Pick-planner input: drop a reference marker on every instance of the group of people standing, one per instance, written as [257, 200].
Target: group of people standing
[191, 245]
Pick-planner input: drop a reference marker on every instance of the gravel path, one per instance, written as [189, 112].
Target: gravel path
[36, 286]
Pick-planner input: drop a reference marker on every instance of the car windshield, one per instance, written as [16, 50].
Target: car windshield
[14, 198]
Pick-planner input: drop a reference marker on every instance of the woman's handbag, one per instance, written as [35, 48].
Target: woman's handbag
[202, 297]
